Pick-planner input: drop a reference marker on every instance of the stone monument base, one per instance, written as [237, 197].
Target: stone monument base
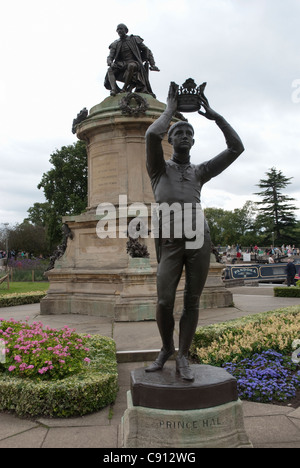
[164, 411]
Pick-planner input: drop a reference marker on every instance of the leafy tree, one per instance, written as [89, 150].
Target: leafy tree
[38, 214]
[276, 213]
[28, 238]
[232, 227]
[215, 218]
[65, 189]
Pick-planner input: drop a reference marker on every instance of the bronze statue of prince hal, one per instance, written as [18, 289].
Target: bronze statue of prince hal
[179, 181]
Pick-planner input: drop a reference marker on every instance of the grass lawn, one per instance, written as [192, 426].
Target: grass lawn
[23, 287]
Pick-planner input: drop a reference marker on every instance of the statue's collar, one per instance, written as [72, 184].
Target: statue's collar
[181, 161]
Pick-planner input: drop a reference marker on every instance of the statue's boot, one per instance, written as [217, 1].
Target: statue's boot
[160, 361]
[165, 322]
[183, 368]
[187, 328]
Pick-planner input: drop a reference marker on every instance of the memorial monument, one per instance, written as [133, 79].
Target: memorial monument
[95, 273]
[124, 258]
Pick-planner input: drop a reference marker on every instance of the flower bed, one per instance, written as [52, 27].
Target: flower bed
[241, 338]
[257, 350]
[266, 377]
[52, 372]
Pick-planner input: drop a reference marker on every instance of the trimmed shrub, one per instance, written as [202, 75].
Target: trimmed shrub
[75, 395]
[52, 372]
[287, 292]
[10, 300]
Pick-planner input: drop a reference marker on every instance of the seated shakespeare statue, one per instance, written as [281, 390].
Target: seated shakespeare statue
[177, 183]
[129, 61]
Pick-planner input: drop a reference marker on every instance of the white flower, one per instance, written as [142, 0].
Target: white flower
[296, 344]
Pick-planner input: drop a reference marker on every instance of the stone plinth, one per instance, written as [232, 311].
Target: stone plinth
[116, 150]
[215, 293]
[166, 412]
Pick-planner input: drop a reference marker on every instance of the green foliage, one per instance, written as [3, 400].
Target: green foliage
[28, 275]
[42, 353]
[65, 189]
[255, 223]
[38, 214]
[241, 338]
[232, 227]
[15, 299]
[277, 214]
[287, 292]
[28, 238]
[25, 287]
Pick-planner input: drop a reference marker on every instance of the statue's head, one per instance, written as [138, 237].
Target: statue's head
[122, 29]
[179, 126]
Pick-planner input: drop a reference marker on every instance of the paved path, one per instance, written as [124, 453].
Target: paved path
[268, 426]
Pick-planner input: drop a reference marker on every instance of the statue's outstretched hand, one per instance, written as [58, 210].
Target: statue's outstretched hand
[209, 113]
[154, 68]
[172, 97]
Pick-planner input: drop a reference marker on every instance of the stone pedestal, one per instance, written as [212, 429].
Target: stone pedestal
[166, 412]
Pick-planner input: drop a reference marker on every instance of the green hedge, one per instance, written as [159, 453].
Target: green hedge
[81, 394]
[287, 292]
[10, 300]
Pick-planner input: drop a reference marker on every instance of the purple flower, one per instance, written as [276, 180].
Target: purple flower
[265, 377]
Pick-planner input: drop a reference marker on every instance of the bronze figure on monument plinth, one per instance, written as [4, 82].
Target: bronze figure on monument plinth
[129, 61]
[177, 183]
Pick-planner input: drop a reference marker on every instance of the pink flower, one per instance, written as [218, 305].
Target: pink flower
[18, 358]
[11, 368]
[87, 359]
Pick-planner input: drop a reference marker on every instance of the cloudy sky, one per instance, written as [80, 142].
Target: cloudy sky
[53, 63]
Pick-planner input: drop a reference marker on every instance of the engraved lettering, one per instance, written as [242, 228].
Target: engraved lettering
[189, 425]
